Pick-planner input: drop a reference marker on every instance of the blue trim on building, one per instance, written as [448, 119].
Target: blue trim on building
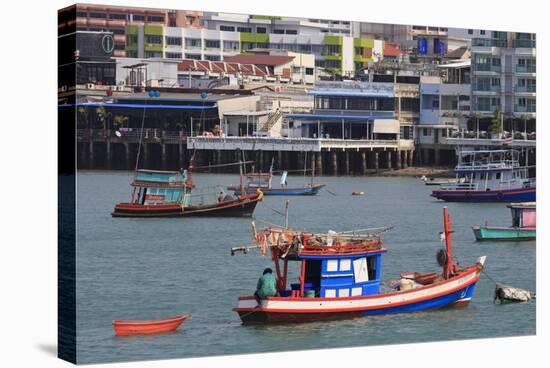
[184, 107]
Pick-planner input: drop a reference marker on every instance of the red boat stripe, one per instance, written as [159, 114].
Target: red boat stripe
[356, 308]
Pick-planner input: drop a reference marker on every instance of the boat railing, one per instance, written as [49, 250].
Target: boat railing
[480, 165]
[461, 186]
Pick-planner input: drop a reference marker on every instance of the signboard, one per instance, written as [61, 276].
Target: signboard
[422, 46]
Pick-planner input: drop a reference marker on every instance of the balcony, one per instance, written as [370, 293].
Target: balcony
[487, 42]
[525, 89]
[486, 108]
[530, 44]
[484, 88]
[525, 108]
[487, 68]
[526, 68]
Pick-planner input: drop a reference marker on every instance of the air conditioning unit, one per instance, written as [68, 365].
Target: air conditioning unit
[90, 85]
[122, 83]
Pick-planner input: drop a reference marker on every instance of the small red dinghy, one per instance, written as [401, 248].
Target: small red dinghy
[147, 327]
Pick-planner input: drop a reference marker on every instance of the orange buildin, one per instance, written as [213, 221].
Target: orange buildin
[115, 19]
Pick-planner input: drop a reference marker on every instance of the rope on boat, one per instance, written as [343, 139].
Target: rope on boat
[334, 194]
[141, 134]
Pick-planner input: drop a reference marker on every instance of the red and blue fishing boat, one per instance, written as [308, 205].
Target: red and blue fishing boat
[173, 194]
[340, 278]
[263, 182]
[524, 225]
[489, 176]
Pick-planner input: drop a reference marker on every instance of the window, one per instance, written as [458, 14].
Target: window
[244, 29]
[118, 31]
[131, 39]
[261, 30]
[309, 71]
[291, 31]
[98, 15]
[153, 54]
[470, 31]
[81, 14]
[425, 132]
[435, 104]
[212, 44]
[153, 39]
[230, 45]
[173, 55]
[139, 18]
[119, 46]
[227, 28]
[279, 31]
[174, 41]
[155, 18]
[117, 16]
[193, 56]
[192, 42]
[212, 57]
[482, 32]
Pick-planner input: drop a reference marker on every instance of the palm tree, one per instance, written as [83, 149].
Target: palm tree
[103, 116]
[83, 112]
[119, 121]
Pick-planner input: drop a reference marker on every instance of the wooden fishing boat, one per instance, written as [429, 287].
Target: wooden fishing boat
[169, 194]
[148, 327]
[340, 278]
[263, 181]
[523, 227]
[489, 176]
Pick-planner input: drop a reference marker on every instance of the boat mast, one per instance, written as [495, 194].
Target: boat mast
[448, 243]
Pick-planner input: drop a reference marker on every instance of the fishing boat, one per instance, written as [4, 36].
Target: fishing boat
[340, 278]
[263, 181]
[173, 194]
[523, 227]
[148, 327]
[489, 176]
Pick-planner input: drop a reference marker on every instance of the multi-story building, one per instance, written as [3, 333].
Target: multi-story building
[115, 19]
[331, 42]
[504, 80]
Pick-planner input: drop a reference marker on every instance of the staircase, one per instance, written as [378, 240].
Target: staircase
[271, 121]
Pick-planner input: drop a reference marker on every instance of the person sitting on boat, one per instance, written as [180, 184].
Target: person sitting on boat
[266, 286]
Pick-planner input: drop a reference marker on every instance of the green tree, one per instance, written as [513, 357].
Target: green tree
[83, 117]
[103, 117]
[119, 121]
[496, 122]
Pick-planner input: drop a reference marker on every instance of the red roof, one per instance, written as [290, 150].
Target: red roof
[392, 50]
[269, 60]
[222, 66]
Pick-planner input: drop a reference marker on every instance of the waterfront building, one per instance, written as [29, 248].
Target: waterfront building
[504, 80]
[115, 19]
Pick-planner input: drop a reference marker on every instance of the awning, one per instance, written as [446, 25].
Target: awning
[337, 117]
[386, 126]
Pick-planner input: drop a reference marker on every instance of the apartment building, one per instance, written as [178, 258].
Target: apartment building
[504, 79]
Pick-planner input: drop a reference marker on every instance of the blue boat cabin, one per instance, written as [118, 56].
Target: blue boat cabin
[153, 187]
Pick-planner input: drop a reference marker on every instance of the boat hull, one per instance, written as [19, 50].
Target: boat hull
[508, 195]
[242, 207]
[456, 291]
[483, 233]
[147, 327]
[313, 190]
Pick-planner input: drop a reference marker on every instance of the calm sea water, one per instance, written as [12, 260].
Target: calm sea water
[154, 268]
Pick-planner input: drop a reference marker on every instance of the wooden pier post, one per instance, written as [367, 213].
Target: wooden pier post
[108, 154]
[319, 163]
[388, 159]
[127, 165]
[163, 154]
[346, 157]
[91, 155]
[145, 149]
[334, 159]
[437, 156]
[376, 160]
[397, 155]
[363, 163]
